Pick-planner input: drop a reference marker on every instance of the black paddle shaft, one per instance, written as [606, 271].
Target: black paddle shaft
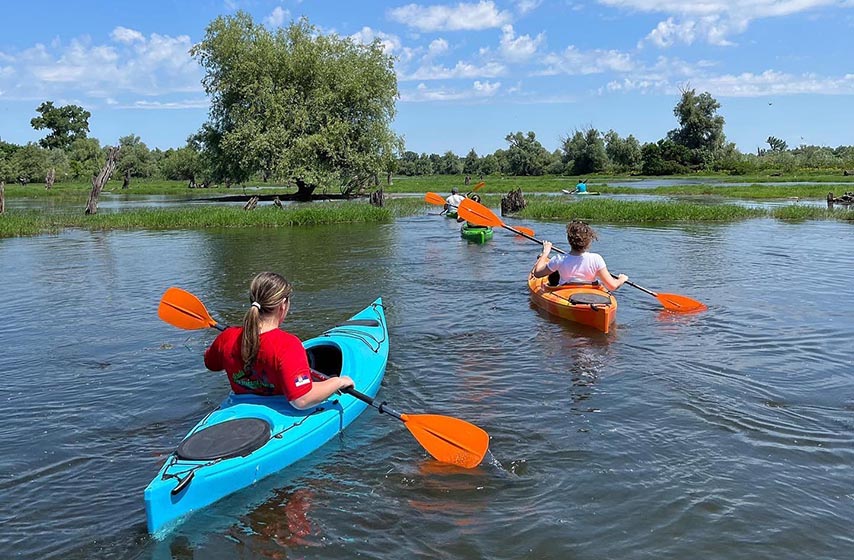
[381, 407]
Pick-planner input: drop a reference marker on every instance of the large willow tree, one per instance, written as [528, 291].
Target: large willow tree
[295, 105]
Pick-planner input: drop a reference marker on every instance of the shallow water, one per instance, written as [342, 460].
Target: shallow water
[729, 433]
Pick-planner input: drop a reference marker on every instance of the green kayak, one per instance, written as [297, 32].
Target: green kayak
[477, 234]
[451, 214]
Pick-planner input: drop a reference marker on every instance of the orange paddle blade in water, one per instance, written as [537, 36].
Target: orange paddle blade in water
[683, 304]
[447, 439]
[182, 309]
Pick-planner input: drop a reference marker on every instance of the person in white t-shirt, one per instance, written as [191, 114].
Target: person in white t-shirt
[454, 200]
[578, 265]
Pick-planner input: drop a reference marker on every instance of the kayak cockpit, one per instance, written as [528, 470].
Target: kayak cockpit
[325, 358]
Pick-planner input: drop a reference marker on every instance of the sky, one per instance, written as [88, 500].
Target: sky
[469, 72]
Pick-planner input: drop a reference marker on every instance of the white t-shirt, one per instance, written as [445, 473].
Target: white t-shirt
[454, 200]
[577, 268]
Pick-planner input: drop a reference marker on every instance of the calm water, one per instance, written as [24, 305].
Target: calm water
[727, 435]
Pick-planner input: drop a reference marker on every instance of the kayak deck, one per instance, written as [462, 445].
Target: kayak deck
[586, 304]
[279, 433]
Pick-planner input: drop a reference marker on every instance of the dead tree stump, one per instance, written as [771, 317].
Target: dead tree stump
[50, 179]
[513, 202]
[101, 179]
[377, 198]
[251, 203]
[848, 172]
[126, 180]
[2, 197]
[278, 203]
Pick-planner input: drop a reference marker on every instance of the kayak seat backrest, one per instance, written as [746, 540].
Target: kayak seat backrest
[554, 278]
[325, 358]
[589, 299]
[233, 438]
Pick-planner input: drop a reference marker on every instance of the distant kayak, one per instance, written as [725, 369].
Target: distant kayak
[585, 304]
[477, 234]
[249, 437]
[591, 193]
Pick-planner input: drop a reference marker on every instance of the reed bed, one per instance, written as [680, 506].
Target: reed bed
[14, 224]
[608, 210]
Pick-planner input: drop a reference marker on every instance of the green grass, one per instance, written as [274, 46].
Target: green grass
[495, 184]
[751, 192]
[209, 217]
[608, 210]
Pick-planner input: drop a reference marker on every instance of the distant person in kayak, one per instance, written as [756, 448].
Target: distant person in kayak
[475, 197]
[261, 358]
[453, 200]
[578, 265]
[581, 187]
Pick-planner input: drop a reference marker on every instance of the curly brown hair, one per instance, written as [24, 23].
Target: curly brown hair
[580, 235]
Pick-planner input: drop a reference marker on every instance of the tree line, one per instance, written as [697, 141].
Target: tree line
[299, 107]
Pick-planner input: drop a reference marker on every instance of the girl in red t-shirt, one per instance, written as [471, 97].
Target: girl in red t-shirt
[261, 358]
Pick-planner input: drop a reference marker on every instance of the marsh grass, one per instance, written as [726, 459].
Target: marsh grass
[796, 212]
[14, 224]
[495, 184]
[752, 192]
[608, 210]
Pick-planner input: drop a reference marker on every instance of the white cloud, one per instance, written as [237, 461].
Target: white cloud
[573, 62]
[478, 91]
[200, 103]
[525, 6]
[124, 35]
[486, 89]
[391, 43]
[437, 47]
[277, 17]
[713, 21]
[130, 63]
[462, 17]
[461, 70]
[518, 49]
[747, 84]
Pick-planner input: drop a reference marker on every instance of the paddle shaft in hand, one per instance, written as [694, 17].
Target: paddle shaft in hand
[480, 214]
[447, 439]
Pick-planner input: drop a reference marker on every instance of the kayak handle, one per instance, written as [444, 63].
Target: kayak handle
[183, 483]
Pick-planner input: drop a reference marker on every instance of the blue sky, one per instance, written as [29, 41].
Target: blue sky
[469, 72]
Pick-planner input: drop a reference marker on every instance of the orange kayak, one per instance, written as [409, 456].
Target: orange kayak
[587, 304]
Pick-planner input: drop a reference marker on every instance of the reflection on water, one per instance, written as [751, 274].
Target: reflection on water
[729, 431]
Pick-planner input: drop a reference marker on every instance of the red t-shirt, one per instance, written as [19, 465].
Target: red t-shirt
[280, 368]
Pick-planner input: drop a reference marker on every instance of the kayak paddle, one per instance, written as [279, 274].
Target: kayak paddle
[437, 199]
[447, 439]
[479, 214]
[476, 188]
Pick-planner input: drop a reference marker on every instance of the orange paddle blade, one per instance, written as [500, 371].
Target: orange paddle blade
[182, 309]
[479, 186]
[447, 439]
[477, 213]
[525, 230]
[434, 198]
[682, 304]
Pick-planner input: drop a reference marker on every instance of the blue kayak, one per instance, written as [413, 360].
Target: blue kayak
[249, 437]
